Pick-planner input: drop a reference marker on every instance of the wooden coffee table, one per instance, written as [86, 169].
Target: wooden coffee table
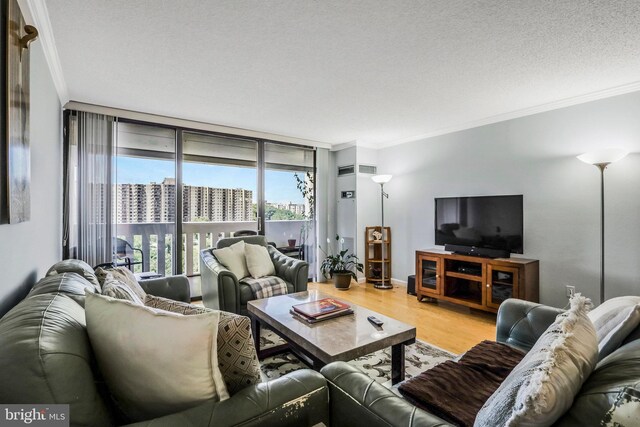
[343, 338]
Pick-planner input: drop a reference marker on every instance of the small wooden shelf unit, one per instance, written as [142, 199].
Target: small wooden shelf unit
[373, 255]
[477, 282]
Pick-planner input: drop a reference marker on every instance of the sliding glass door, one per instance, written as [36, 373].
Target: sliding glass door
[219, 191]
[289, 200]
[144, 209]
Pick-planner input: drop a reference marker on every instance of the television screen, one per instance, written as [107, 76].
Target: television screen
[494, 222]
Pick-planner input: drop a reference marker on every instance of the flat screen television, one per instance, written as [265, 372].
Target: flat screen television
[492, 222]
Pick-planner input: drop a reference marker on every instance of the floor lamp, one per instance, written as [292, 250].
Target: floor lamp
[382, 180]
[602, 159]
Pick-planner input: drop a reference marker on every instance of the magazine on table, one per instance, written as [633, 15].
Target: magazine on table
[321, 318]
[321, 307]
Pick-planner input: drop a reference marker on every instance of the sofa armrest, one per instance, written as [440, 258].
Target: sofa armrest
[220, 288]
[520, 323]
[356, 399]
[299, 398]
[173, 287]
[294, 271]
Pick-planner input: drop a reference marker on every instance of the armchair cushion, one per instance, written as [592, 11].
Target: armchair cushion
[542, 386]
[233, 257]
[184, 372]
[258, 261]
[237, 356]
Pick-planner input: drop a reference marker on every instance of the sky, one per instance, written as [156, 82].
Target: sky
[280, 186]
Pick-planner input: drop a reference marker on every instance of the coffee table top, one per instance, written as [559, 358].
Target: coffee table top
[342, 338]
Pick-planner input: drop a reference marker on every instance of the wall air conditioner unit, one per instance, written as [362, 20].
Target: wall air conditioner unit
[346, 170]
[368, 169]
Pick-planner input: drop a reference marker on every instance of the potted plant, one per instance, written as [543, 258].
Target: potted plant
[341, 267]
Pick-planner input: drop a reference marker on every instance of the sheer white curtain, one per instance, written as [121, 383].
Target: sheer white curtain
[88, 187]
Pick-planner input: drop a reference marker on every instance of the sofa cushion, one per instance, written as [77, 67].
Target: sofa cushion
[258, 261]
[608, 382]
[154, 362]
[542, 387]
[233, 257]
[46, 357]
[237, 357]
[614, 320]
[71, 284]
[124, 276]
[115, 288]
[75, 266]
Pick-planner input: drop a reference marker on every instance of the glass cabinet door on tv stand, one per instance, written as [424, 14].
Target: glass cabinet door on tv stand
[428, 276]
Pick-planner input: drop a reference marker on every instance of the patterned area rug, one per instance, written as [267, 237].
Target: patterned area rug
[418, 358]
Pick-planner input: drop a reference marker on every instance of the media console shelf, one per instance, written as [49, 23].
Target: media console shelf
[477, 282]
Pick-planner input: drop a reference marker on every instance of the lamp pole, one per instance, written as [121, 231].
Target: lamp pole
[383, 195]
[601, 159]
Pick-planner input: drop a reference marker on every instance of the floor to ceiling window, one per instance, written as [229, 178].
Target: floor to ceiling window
[144, 209]
[177, 191]
[219, 191]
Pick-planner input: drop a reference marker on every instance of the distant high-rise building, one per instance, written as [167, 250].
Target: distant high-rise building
[139, 203]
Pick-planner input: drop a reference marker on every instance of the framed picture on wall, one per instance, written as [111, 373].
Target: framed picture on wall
[17, 153]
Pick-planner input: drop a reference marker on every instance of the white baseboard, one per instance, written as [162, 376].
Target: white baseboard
[393, 281]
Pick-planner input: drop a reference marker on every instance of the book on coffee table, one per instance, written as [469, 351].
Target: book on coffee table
[320, 318]
[320, 307]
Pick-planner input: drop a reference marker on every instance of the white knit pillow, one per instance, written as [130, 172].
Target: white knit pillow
[233, 258]
[258, 261]
[154, 362]
[614, 319]
[542, 386]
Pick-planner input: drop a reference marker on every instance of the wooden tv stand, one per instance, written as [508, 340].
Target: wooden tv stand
[476, 282]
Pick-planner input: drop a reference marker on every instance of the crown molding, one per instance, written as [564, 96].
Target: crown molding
[35, 13]
[555, 105]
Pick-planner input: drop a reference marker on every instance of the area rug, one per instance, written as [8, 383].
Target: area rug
[418, 358]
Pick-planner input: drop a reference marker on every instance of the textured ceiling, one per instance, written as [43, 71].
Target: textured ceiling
[340, 71]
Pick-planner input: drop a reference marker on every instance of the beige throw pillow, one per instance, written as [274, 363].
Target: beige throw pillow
[124, 276]
[237, 357]
[154, 362]
[258, 261]
[614, 319]
[233, 257]
[115, 288]
[542, 386]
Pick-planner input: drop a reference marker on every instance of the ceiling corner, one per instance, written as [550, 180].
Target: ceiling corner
[35, 12]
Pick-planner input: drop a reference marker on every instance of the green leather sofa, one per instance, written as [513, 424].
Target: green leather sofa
[222, 290]
[46, 357]
[357, 400]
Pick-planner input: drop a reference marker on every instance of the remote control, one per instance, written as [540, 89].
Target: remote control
[375, 320]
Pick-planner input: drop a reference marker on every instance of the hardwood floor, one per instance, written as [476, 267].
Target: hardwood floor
[448, 326]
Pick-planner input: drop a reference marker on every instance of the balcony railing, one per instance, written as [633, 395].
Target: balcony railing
[157, 240]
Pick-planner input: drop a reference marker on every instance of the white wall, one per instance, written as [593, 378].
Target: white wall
[368, 200]
[533, 156]
[346, 209]
[28, 249]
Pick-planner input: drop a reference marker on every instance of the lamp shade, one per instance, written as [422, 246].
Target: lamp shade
[604, 156]
[381, 179]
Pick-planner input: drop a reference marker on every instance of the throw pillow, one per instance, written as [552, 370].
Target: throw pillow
[625, 410]
[124, 276]
[614, 320]
[258, 261]
[154, 362]
[114, 288]
[233, 257]
[237, 357]
[542, 386]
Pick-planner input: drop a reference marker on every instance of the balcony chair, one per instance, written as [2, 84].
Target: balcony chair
[125, 254]
[222, 290]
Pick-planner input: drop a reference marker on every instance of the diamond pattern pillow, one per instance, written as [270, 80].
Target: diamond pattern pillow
[237, 357]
